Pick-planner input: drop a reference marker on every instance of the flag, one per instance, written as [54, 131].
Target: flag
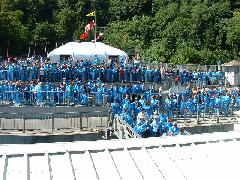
[89, 27]
[100, 37]
[91, 14]
[84, 36]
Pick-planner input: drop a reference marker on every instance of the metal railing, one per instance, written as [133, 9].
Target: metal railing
[53, 98]
[129, 75]
[123, 130]
[53, 122]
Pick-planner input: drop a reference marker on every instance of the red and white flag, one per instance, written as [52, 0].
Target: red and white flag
[84, 36]
[89, 27]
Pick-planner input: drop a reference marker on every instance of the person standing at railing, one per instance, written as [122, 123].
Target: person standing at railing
[115, 74]
[163, 119]
[18, 95]
[99, 95]
[127, 116]
[142, 100]
[238, 102]
[78, 90]
[115, 107]
[32, 72]
[154, 102]
[41, 73]
[190, 107]
[50, 94]
[32, 93]
[168, 106]
[22, 73]
[93, 73]
[70, 93]
[11, 91]
[126, 102]
[225, 101]
[39, 94]
[1, 92]
[136, 107]
[148, 108]
[211, 103]
[26, 92]
[89, 86]
[107, 74]
[142, 126]
[125, 75]
[85, 99]
[206, 102]
[183, 106]
[10, 72]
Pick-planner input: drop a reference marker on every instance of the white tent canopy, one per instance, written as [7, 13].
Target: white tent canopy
[86, 51]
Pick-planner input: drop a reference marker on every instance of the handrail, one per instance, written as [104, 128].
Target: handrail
[22, 114]
[123, 129]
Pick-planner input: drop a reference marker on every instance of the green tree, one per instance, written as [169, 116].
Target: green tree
[12, 32]
[44, 34]
[233, 34]
[65, 24]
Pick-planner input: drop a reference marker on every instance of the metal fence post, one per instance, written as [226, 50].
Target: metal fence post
[52, 122]
[101, 117]
[24, 124]
[198, 117]
[80, 123]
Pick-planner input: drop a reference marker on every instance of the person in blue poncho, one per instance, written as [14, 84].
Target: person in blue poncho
[238, 102]
[127, 116]
[78, 90]
[100, 94]
[96, 60]
[190, 106]
[154, 103]
[10, 72]
[174, 130]
[39, 94]
[163, 119]
[49, 94]
[183, 107]
[115, 107]
[85, 100]
[148, 108]
[18, 96]
[217, 105]
[225, 101]
[168, 106]
[144, 129]
[70, 93]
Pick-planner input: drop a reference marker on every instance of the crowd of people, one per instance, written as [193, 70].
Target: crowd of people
[152, 115]
[109, 72]
[122, 86]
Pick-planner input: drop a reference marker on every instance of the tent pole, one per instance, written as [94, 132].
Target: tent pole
[95, 33]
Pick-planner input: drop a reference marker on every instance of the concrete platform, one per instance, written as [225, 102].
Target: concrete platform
[16, 137]
[207, 125]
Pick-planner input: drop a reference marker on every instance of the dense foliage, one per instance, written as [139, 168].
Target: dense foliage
[177, 31]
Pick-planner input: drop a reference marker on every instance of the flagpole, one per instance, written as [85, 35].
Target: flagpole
[95, 33]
